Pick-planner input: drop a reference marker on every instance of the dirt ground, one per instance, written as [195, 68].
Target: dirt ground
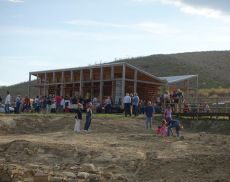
[118, 149]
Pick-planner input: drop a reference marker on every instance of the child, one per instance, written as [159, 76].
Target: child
[88, 117]
[163, 129]
[78, 118]
[149, 110]
[168, 113]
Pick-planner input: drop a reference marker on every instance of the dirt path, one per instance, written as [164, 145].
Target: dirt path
[116, 150]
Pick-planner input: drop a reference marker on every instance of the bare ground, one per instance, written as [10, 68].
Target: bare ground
[117, 150]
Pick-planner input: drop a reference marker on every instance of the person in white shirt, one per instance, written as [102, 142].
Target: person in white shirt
[127, 103]
[7, 102]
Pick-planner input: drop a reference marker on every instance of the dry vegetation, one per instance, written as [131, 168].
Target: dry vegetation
[212, 66]
[215, 92]
[118, 150]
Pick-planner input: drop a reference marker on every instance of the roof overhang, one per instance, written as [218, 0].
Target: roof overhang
[175, 79]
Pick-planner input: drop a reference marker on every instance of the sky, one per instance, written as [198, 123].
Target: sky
[51, 34]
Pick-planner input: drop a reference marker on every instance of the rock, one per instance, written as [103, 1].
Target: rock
[55, 179]
[5, 174]
[33, 166]
[28, 180]
[41, 151]
[69, 174]
[2, 161]
[83, 175]
[8, 158]
[28, 151]
[2, 149]
[151, 156]
[40, 178]
[29, 172]
[107, 175]
[93, 178]
[120, 178]
[202, 134]
[89, 168]
[105, 157]
[74, 168]
[17, 173]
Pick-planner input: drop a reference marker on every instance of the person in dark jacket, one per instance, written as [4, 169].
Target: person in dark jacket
[88, 117]
[149, 110]
[174, 124]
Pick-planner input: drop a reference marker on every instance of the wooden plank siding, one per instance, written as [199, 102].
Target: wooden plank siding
[99, 80]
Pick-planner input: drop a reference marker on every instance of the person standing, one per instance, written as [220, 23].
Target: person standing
[58, 100]
[168, 113]
[78, 119]
[7, 102]
[127, 103]
[37, 104]
[180, 95]
[18, 103]
[108, 105]
[48, 106]
[135, 104]
[149, 110]
[89, 114]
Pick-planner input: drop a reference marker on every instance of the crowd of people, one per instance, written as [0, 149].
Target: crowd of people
[179, 104]
[44, 104]
[133, 105]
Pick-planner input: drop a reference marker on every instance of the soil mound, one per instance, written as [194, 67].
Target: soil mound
[33, 124]
[212, 126]
[115, 150]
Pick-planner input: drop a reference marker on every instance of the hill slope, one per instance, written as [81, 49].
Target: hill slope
[18, 89]
[213, 67]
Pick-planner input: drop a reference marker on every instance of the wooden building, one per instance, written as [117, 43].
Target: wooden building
[188, 84]
[101, 80]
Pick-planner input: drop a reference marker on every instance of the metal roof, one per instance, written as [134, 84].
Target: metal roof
[174, 79]
[78, 68]
[98, 66]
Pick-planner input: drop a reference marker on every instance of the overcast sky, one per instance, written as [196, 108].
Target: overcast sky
[49, 34]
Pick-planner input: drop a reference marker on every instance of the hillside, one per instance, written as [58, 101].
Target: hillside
[213, 67]
[18, 89]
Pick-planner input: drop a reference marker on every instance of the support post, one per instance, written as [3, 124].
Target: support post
[112, 72]
[38, 82]
[62, 84]
[91, 79]
[80, 88]
[188, 90]
[72, 81]
[135, 81]
[53, 80]
[39, 93]
[101, 84]
[197, 88]
[29, 85]
[112, 80]
[71, 76]
[45, 83]
[123, 80]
